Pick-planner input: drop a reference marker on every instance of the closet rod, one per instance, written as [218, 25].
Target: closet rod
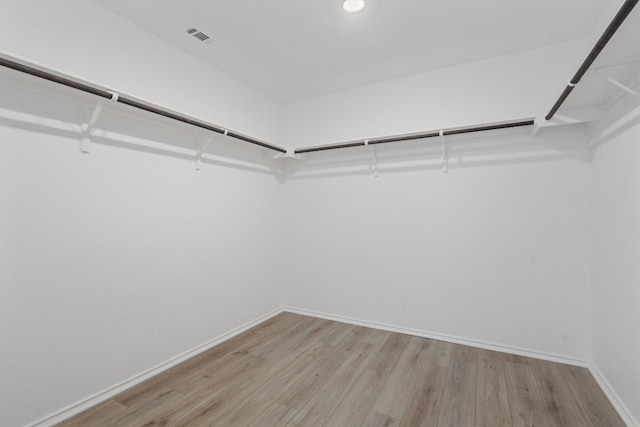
[595, 51]
[430, 134]
[131, 102]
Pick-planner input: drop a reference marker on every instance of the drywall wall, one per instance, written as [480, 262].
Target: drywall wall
[82, 39]
[115, 261]
[511, 87]
[616, 252]
[494, 251]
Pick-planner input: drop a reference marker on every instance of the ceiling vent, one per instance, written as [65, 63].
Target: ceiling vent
[198, 33]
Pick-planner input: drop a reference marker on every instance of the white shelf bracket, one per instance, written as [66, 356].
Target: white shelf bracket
[624, 87]
[617, 84]
[445, 153]
[87, 128]
[290, 154]
[201, 150]
[376, 168]
[535, 128]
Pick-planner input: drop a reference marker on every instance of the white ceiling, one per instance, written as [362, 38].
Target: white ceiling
[293, 49]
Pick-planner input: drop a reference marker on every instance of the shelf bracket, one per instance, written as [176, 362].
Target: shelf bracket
[535, 128]
[87, 128]
[617, 84]
[376, 168]
[290, 154]
[623, 87]
[202, 149]
[445, 153]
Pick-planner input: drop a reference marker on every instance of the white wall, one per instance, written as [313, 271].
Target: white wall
[89, 42]
[496, 250]
[510, 87]
[115, 261]
[616, 252]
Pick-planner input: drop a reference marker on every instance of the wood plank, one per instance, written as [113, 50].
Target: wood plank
[492, 394]
[338, 335]
[375, 419]
[276, 415]
[525, 400]
[357, 403]
[96, 415]
[329, 396]
[425, 401]
[459, 400]
[590, 398]
[356, 335]
[285, 339]
[441, 354]
[153, 414]
[384, 360]
[301, 391]
[393, 398]
[232, 367]
[138, 414]
[561, 407]
[312, 336]
[264, 396]
[234, 392]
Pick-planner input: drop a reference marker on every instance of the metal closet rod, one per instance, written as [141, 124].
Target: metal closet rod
[430, 134]
[595, 51]
[131, 102]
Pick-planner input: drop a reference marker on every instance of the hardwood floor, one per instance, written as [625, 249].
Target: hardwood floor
[295, 370]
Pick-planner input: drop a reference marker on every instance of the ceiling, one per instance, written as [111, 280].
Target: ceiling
[294, 49]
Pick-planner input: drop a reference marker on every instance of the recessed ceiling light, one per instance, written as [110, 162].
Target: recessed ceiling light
[353, 6]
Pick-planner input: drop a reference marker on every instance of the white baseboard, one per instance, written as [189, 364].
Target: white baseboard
[443, 337]
[624, 413]
[109, 392]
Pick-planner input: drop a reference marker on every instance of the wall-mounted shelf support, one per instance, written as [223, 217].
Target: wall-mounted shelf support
[621, 93]
[201, 150]
[535, 128]
[445, 153]
[87, 126]
[623, 87]
[290, 154]
[617, 84]
[376, 168]
[571, 116]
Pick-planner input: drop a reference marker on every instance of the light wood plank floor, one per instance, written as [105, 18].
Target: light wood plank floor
[295, 370]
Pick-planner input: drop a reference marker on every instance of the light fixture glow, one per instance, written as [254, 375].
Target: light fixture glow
[353, 6]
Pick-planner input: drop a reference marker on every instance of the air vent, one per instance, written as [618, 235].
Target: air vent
[198, 33]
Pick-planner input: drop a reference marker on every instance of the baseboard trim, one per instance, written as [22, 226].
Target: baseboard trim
[109, 392]
[443, 337]
[613, 397]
